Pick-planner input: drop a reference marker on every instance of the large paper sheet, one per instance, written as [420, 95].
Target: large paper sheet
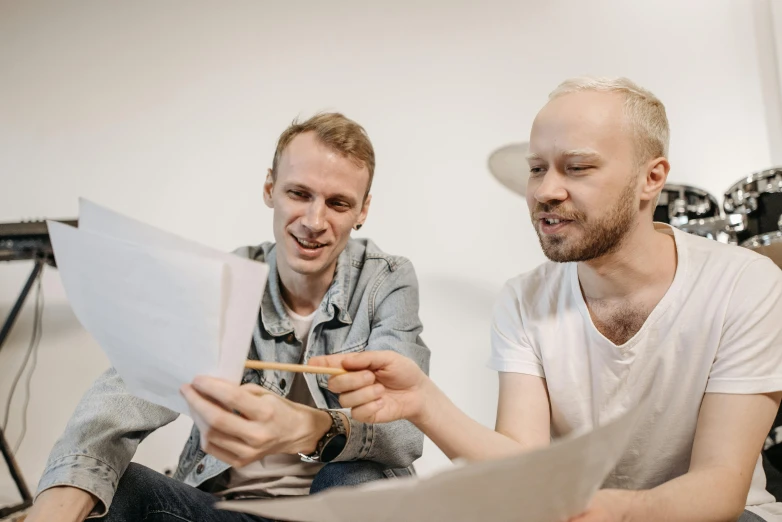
[548, 485]
[162, 308]
[245, 279]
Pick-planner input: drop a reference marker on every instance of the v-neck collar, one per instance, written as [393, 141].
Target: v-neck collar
[671, 295]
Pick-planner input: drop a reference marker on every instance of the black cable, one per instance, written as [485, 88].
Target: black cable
[38, 328]
[30, 349]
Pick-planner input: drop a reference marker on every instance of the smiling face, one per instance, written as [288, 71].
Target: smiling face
[318, 196]
[585, 187]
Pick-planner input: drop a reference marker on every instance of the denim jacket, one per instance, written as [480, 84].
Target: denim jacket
[372, 304]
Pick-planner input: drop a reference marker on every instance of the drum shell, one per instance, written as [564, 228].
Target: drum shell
[681, 203]
[759, 197]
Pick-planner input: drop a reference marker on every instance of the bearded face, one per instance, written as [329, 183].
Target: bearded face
[577, 236]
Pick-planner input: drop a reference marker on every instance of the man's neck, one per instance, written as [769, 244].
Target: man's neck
[646, 258]
[304, 293]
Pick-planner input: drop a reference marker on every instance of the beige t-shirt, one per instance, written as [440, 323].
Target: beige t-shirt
[718, 329]
[280, 475]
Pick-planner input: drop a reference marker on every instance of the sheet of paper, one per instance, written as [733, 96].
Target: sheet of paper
[155, 313]
[162, 308]
[245, 279]
[549, 485]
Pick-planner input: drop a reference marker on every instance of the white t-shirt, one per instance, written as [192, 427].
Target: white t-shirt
[280, 475]
[718, 329]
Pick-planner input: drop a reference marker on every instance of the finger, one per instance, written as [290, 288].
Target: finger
[229, 444]
[372, 361]
[368, 412]
[363, 396]
[230, 395]
[214, 416]
[351, 381]
[255, 389]
[329, 361]
[225, 456]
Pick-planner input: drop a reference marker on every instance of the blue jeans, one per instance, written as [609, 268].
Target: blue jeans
[749, 516]
[144, 495]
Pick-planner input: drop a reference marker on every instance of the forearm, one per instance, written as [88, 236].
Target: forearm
[394, 444]
[707, 496]
[100, 439]
[315, 425]
[458, 435]
[63, 503]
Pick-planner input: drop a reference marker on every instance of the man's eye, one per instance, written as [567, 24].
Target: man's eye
[579, 168]
[536, 171]
[297, 193]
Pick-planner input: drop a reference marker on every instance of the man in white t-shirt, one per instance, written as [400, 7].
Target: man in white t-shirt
[626, 310]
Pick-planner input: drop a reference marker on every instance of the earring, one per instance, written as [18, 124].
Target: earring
[358, 226]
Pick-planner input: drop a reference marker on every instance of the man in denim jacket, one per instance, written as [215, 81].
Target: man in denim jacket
[326, 294]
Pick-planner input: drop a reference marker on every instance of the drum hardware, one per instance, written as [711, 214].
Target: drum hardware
[680, 204]
[723, 229]
[759, 197]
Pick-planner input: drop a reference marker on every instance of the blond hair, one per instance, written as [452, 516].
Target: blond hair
[337, 132]
[644, 111]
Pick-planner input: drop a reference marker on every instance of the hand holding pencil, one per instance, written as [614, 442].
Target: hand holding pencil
[379, 386]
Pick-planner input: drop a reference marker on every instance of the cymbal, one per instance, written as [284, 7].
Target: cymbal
[508, 165]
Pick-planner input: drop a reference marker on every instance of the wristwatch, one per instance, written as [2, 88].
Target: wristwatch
[331, 444]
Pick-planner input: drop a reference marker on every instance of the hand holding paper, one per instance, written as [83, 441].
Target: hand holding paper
[268, 424]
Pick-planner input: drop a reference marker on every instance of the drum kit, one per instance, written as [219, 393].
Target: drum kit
[750, 215]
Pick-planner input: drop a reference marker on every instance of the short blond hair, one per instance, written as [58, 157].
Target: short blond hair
[339, 133]
[644, 111]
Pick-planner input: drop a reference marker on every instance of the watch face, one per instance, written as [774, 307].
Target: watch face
[333, 448]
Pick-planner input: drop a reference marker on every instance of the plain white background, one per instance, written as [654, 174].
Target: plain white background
[169, 112]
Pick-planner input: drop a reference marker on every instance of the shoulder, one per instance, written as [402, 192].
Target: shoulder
[364, 254]
[257, 252]
[702, 249]
[546, 280]
[729, 263]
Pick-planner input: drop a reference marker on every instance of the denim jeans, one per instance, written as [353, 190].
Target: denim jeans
[144, 495]
[749, 516]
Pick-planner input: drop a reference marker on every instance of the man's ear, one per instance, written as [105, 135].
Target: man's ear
[656, 176]
[268, 188]
[362, 216]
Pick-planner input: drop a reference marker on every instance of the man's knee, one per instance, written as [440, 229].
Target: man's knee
[136, 486]
[353, 473]
[138, 479]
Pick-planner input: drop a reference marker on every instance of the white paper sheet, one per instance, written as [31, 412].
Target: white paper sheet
[245, 279]
[162, 308]
[549, 485]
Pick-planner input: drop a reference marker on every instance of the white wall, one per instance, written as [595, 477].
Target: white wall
[767, 16]
[169, 111]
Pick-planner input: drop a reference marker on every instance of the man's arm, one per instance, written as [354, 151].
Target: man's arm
[64, 503]
[92, 454]
[728, 439]
[523, 421]
[395, 326]
[523, 418]
[384, 386]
